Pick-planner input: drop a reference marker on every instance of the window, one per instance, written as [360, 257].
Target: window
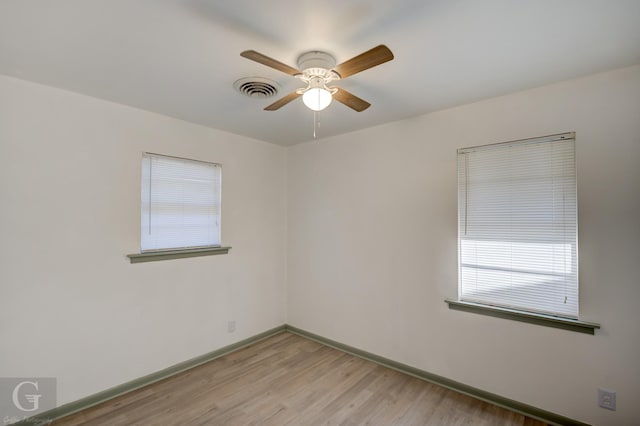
[180, 203]
[517, 233]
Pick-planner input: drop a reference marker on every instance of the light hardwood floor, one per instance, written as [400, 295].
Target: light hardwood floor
[289, 380]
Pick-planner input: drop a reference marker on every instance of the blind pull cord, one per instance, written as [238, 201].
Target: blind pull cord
[150, 186]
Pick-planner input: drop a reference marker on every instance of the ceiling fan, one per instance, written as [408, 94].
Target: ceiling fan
[317, 70]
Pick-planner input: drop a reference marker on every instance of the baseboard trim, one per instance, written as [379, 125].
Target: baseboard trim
[116, 391]
[73, 407]
[518, 407]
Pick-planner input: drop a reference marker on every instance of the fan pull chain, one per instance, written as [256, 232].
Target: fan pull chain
[316, 124]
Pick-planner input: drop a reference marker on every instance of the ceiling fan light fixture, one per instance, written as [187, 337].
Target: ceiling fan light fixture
[318, 69]
[317, 98]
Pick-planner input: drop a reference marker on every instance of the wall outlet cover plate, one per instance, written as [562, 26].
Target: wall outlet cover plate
[607, 399]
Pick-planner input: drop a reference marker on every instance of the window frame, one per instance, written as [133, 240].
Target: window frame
[504, 311]
[178, 252]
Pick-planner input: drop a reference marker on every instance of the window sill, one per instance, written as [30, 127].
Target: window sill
[531, 318]
[176, 254]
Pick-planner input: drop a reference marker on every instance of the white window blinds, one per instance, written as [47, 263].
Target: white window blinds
[517, 212]
[180, 203]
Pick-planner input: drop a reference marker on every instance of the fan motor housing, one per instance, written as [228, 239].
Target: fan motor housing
[315, 59]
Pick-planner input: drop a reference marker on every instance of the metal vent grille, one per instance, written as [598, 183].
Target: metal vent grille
[256, 87]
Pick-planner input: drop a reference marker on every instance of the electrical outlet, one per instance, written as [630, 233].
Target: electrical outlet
[607, 399]
[231, 326]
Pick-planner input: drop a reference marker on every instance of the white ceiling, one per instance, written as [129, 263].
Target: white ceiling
[181, 57]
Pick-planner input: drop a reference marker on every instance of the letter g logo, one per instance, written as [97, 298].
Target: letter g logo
[34, 399]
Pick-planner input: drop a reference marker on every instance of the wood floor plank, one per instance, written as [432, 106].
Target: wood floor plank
[289, 380]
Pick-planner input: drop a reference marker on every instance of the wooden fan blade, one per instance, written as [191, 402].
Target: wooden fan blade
[350, 100]
[270, 62]
[283, 101]
[369, 59]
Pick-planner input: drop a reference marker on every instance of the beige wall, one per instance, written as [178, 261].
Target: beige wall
[372, 250]
[71, 304]
[360, 227]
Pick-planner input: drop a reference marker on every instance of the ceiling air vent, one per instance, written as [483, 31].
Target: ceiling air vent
[256, 87]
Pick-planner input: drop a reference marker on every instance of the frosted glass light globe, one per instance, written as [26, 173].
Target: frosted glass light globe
[317, 98]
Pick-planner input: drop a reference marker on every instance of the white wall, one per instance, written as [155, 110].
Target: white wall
[370, 223]
[71, 304]
[372, 247]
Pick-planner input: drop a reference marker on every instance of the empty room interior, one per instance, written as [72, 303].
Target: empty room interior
[345, 212]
